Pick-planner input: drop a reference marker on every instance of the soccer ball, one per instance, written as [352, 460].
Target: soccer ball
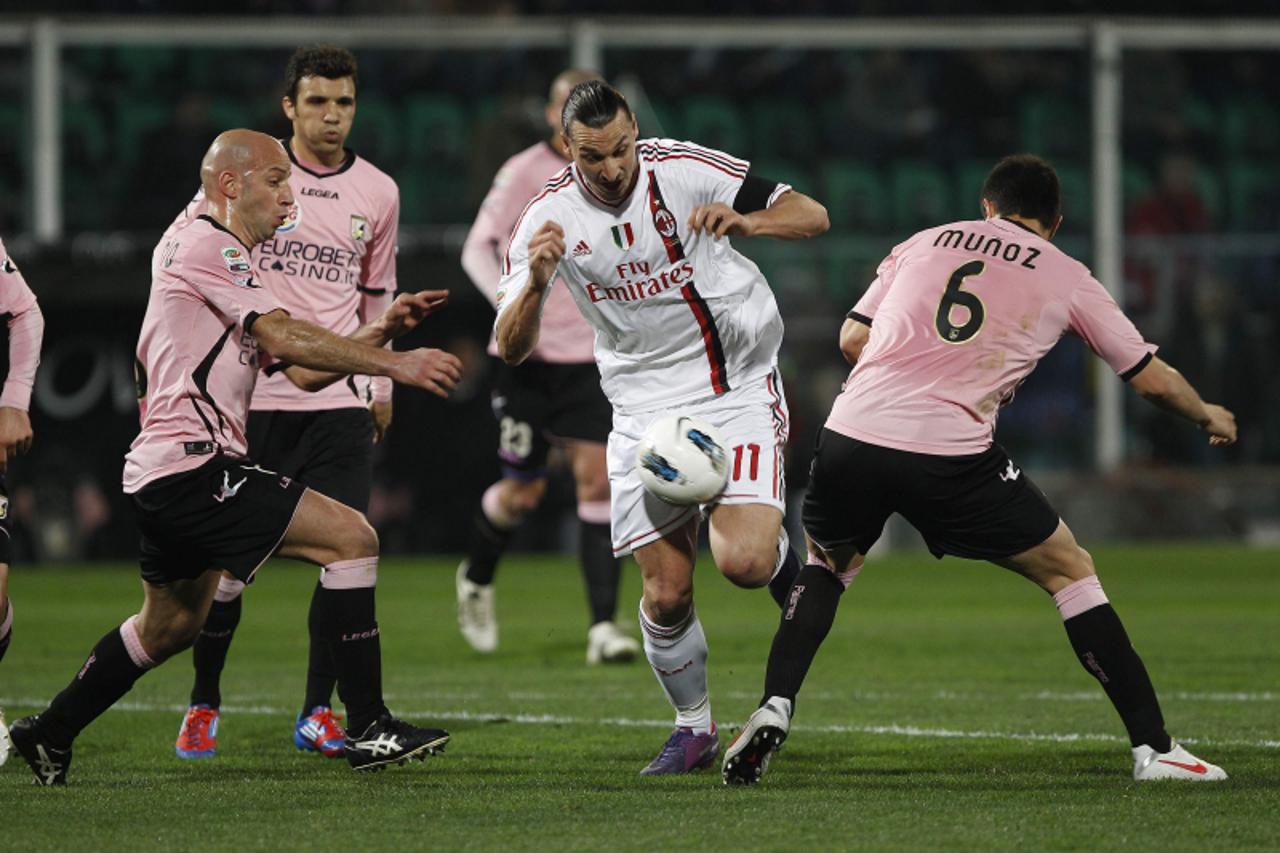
[682, 460]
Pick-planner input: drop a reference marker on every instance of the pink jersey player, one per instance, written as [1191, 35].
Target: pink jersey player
[566, 337]
[956, 318]
[197, 361]
[26, 330]
[960, 315]
[332, 264]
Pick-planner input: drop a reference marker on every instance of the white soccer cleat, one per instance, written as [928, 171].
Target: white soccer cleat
[1177, 763]
[4, 740]
[606, 643]
[476, 617]
[747, 758]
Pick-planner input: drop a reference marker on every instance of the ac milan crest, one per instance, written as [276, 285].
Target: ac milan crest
[665, 222]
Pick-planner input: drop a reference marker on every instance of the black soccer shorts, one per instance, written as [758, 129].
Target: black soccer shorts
[227, 514]
[981, 506]
[538, 402]
[330, 450]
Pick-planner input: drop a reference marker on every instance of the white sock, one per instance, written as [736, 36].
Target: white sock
[678, 656]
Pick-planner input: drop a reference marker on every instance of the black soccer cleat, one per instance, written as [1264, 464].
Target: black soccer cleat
[389, 741]
[49, 763]
[747, 758]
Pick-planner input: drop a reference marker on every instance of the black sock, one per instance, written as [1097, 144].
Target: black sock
[4, 641]
[357, 653]
[484, 549]
[1100, 641]
[209, 654]
[786, 576]
[106, 676]
[322, 674]
[600, 569]
[807, 616]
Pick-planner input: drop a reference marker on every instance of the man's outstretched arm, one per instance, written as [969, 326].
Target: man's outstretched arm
[1163, 386]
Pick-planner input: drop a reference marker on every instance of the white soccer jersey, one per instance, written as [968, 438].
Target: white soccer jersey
[678, 317]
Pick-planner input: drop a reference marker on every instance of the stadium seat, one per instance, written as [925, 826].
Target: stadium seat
[921, 194]
[1252, 188]
[377, 133]
[435, 126]
[1077, 193]
[713, 122]
[1250, 125]
[854, 195]
[783, 128]
[1050, 126]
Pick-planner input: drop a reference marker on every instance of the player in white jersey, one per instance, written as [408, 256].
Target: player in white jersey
[22, 314]
[554, 396]
[956, 319]
[333, 264]
[202, 506]
[638, 230]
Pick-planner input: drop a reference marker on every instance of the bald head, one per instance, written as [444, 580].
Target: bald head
[239, 152]
[566, 80]
[245, 175]
[560, 89]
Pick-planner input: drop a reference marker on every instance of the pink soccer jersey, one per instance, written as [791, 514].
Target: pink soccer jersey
[333, 263]
[960, 315]
[26, 330]
[197, 360]
[565, 338]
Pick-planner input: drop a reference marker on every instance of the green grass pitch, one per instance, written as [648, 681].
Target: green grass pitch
[945, 711]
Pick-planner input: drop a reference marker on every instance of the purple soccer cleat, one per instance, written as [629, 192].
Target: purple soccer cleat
[685, 752]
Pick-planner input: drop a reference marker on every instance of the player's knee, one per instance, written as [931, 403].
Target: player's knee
[358, 538]
[747, 567]
[667, 602]
[523, 498]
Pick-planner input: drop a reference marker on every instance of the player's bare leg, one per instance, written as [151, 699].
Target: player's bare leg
[502, 509]
[1065, 570]
[601, 570]
[676, 648]
[751, 548]
[807, 616]
[170, 618]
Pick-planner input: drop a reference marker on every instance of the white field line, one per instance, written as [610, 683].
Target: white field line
[627, 722]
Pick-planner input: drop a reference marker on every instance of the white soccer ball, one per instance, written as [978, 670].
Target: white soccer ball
[682, 460]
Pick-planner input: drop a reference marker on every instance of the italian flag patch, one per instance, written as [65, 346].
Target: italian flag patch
[623, 236]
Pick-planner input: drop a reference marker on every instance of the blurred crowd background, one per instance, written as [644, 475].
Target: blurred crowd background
[890, 141]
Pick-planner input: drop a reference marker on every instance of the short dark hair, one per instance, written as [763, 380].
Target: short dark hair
[1025, 185]
[318, 60]
[594, 103]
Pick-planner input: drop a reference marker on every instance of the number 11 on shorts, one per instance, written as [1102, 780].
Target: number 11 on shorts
[753, 466]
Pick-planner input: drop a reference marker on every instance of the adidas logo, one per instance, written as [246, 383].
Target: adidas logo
[581, 249]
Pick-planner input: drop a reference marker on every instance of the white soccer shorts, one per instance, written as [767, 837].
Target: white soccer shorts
[754, 422]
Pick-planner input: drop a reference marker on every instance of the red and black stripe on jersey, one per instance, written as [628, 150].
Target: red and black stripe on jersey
[664, 222]
[562, 179]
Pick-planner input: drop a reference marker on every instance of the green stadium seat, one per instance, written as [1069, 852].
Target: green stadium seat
[669, 123]
[1077, 194]
[1250, 125]
[377, 132]
[436, 128]
[713, 122]
[855, 196]
[783, 129]
[1252, 188]
[1136, 182]
[921, 194]
[1050, 126]
[135, 120]
[143, 66]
